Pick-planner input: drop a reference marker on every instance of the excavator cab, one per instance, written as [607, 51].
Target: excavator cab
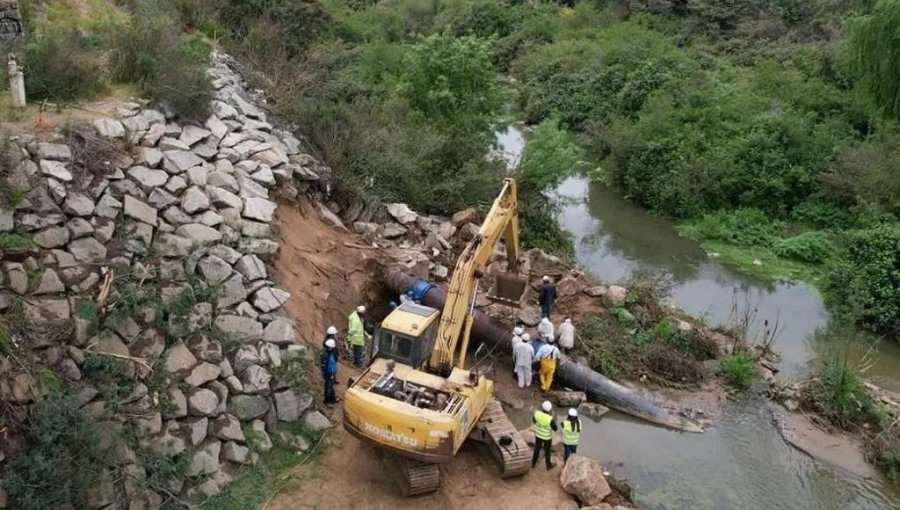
[407, 334]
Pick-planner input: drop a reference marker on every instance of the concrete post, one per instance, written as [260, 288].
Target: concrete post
[16, 82]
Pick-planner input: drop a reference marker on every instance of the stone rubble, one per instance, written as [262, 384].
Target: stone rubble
[187, 212]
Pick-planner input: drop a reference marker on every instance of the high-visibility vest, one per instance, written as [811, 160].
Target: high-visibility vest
[569, 434]
[355, 330]
[541, 425]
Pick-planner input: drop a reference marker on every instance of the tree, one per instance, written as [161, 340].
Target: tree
[874, 40]
[450, 81]
[866, 284]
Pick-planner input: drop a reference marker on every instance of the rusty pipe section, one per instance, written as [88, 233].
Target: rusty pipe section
[572, 374]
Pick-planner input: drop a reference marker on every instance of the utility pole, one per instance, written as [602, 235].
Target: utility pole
[16, 82]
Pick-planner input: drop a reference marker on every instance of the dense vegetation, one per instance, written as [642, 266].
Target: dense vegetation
[78, 54]
[767, 128]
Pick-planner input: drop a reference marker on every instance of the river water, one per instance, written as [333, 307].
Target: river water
[742, 462]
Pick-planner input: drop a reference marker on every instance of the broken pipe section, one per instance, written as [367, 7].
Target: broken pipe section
[568, 372]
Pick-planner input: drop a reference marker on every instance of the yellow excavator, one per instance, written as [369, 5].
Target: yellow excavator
[416, 401]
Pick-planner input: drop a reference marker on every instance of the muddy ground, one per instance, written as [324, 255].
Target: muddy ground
[328, 273]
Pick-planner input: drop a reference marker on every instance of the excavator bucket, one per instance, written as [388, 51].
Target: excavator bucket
[508, 289]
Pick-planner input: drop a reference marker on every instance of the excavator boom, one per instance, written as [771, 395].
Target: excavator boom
[456, 320]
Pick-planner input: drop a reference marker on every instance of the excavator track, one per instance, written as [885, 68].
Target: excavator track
[414, 477]
[503, 440]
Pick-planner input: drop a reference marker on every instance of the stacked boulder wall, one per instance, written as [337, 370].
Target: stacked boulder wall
[156, 264]
[570, 373]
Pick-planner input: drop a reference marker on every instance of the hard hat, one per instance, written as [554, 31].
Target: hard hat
[547, 406]
[546, 278]
[573, 412]
[331, 330]
[518, 330]
[526, 337]
[330, 343]
[361, 309]
[545, 321]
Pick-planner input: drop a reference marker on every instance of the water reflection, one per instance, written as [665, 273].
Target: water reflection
[614, 237]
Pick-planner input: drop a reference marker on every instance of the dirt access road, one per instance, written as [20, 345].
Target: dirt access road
[328, 273]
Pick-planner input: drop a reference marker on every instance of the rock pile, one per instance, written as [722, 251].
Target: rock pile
[156, 262]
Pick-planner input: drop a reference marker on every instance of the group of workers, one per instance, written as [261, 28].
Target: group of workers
[541, 350]
[543, 424]
[328, 358]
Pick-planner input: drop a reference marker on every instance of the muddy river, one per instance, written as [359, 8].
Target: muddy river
[742, 462]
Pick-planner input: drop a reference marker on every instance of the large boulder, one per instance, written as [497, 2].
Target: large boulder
[616, 295]
[247, 407]
[583, 478]
[242, 329]
[568, 398]
[279, 331]
[203, 402]
[227, 428]
[314, 420]
[469, 215]
[402, 213]
[290, 405]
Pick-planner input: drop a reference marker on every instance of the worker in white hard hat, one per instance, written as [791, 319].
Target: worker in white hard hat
[546, 296]
[516, 338]
[547, 357]
[356, 333]
[567, 335]
[329, 365]
[523, 358]
[543, 424]
[546, 330]
[571, 433]
[330, 333]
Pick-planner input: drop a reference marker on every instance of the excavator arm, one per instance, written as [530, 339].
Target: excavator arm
[456, 320]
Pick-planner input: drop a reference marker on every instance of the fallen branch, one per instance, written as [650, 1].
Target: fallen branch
[141, 362]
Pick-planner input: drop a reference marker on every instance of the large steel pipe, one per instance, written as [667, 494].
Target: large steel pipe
[570, 373]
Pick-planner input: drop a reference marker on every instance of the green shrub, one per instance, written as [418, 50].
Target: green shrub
[739, 369]
[549, 156]
[450, 80]
[13, 241]
[64, 461]
[813, 247]
[865, 283]
[840, 391]
[744, 227]
[60, 67]
[884, 451]
[168, 67]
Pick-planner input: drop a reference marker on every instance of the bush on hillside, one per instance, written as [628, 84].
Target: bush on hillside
[866, 283]
[743, 227]
[65, 459]
[60, 67]
[168, 67]
[739, 369]
[813, 247]
[550, 155]
[450, 81]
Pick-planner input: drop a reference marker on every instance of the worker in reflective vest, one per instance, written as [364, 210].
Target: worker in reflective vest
[357, 335]
[571, 434]
[543, 426]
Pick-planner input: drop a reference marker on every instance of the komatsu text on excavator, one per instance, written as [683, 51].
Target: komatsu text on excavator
[417, 401]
